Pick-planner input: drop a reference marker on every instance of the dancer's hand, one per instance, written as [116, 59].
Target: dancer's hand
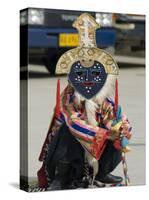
[115, 131]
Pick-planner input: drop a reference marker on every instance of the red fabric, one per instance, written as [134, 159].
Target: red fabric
[42, 177]
[46, 142]
[117, 144]
[99, 143]
[116, 97]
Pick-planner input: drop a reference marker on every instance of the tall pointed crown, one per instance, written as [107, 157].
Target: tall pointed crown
[87, 48]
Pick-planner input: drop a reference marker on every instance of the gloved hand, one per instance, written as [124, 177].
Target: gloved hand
[115, 131]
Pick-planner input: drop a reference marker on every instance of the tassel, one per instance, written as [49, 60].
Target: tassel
[57, 108]
[116, 97]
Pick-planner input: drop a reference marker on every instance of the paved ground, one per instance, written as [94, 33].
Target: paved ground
[41, 101]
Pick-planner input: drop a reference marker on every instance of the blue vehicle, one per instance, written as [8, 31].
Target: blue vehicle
[50, 33]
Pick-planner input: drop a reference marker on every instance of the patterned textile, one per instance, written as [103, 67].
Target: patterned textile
[93, 139]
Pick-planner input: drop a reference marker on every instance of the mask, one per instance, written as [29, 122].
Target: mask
[88, 81]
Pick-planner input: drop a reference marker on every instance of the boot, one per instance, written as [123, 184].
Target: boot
[110, 179]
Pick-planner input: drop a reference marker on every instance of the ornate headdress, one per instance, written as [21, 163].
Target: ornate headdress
[87, 51]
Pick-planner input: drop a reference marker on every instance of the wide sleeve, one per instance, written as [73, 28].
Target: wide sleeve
[118, 122]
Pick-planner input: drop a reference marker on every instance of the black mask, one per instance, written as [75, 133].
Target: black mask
[88, 81]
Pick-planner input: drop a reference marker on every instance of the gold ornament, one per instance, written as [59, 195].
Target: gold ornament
[87, 51]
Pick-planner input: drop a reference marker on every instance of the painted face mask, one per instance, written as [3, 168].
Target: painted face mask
[86, 65]
[88, 81]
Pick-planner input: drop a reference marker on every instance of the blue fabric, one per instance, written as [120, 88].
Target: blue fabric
[83, 130]
[119, 113]
[124, 142]
[110, 101]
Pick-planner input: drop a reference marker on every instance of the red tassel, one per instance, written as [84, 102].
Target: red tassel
[116, 97]
[57, 108]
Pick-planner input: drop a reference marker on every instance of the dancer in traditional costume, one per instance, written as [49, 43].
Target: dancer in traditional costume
[89, 131]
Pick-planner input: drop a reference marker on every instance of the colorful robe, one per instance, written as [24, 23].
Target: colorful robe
[93, 139]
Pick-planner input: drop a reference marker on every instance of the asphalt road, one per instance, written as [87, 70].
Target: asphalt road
[41, 100]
